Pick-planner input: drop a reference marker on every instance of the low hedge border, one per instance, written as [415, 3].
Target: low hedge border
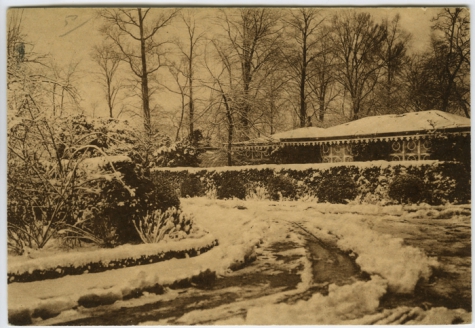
[23, 317]
[444, 181]
[101, 266]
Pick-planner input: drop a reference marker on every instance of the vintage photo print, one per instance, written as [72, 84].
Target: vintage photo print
[238, 165]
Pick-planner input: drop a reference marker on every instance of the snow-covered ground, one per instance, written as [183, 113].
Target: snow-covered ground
[394, 245]
[299, 167]
[36, 260]
[370, 232]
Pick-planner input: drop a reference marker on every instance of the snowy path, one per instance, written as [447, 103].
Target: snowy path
[314, 264]
[274, 274]
[281, 273]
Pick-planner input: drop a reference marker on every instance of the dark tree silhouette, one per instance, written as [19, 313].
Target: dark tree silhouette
[135, 34]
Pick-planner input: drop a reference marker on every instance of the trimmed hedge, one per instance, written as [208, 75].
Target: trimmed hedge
[337, 189]
[443, 181]
[280, 186]
[100, 266]
[407, 188]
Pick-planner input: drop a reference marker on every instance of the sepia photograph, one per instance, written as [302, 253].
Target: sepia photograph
[238, 166]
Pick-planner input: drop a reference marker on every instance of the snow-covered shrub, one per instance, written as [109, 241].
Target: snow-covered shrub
[192, 186]
[444, 181]
[156, 225]
[230, 186]
[211, 193]
[257, 192]
[337, 189]
[173, 154]
[407, 188]
[281, 187]
[50, 157]
[107, 205]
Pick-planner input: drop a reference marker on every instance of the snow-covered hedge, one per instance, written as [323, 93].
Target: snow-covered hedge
[444, 181]
[101, 260]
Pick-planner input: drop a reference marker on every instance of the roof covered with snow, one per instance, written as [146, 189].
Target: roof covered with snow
[307, 132]
[384, 127]
[399, 123]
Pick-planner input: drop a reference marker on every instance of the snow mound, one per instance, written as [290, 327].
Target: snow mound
[20, 265]
[415, 316]
[342, 304]
[387, 256]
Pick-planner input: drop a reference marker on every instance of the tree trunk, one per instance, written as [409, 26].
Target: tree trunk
[192, 109]
[245, 113]
[230, 130]
[303, 78]
[321, 109]
[355, 106]
[145, 92]
[109, 98]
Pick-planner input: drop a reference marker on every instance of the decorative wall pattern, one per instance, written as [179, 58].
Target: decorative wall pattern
[336, 153]
[410, 150]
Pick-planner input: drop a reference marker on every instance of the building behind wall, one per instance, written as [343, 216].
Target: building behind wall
[404, 137]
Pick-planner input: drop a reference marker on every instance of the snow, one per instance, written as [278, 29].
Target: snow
[20, 264]
[56, 295]
[341, 304]
[307, 132]
[61, 294]
[401, 265]
[300, 167]
[395, 266]
[421, 122]
[418, 122]
[98, 163]
[241, 226]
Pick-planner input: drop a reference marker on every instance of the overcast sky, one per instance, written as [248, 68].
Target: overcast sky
[69, 34]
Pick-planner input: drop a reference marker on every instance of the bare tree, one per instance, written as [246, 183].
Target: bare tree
[440, 77]
[184, 72]
[253, 36]
[193, 39]
[276, 104]
[108, 62]
[181, 81]
[357, 42]
[30, 74]
[225, 93]
[322, 81]
[61, 82]
[389, 96]
[418, 82]
[129, 27]
[306, 31]
[15, 36]
[451, 43]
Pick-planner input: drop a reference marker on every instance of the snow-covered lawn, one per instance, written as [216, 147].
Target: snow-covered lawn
[382, 239]
[373, 232]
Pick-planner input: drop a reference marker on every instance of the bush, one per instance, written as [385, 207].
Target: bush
[173, 154]
[156, 225]
[280, 186]
[229, 186]
[407, 188]
[447, 181]
[257, 192]
[105, 211]
[192, 186]
[337, 189]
